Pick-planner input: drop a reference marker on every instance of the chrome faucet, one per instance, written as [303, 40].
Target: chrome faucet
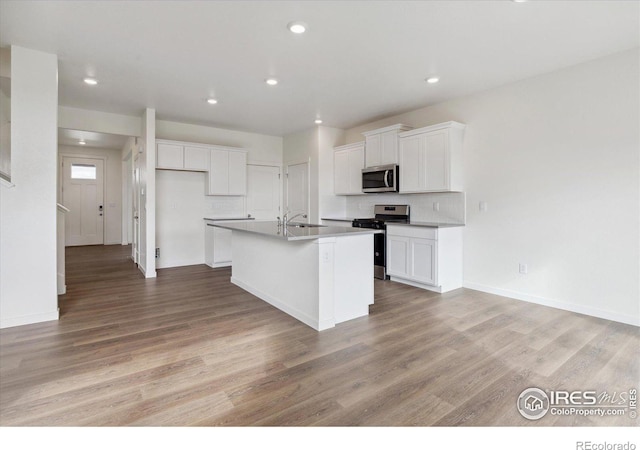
[286, 219]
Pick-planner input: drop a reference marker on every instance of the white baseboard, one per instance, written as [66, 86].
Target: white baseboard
[6, 322]
[415, 284]
[566, 306]
[302, 317]
[151, 274]
[178, 263]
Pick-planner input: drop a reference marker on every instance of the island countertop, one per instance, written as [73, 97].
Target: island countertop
[293, 233]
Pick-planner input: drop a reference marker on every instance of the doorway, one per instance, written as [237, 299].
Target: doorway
[83, 195]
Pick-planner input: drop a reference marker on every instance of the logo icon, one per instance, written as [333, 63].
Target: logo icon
[533, 403]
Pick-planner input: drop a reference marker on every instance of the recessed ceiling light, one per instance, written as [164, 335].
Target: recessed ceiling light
[271, 81]
[91, 81]
[82, 142]
[318, 121]
[297, 27]
[212, 101]
[432, 80]
[519, 1]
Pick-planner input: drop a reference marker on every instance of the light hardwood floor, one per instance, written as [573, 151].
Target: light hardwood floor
[190, 348]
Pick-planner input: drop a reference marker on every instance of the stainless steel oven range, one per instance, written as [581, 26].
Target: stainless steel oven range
[383, 214]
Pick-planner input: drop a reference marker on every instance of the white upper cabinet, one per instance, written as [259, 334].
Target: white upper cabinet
[347, 169]
[169, 156]
[382, 145]
[174, 155]
[196, 158]
[226, 166]
[228, 172]
[430, 158]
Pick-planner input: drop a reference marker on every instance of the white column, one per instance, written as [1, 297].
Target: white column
[28, 280]
[148, 195]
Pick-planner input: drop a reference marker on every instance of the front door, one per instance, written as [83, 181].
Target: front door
[83, 194]
[263, 192]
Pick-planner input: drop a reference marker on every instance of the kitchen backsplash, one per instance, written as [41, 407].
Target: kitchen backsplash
[450, 205]
[220, 207]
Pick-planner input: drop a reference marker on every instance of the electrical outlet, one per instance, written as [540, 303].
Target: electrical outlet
[523, 269]
[436, 206]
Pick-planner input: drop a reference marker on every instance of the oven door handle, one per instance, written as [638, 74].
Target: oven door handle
[386, 178]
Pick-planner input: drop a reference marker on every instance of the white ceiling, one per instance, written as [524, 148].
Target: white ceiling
[358, 61]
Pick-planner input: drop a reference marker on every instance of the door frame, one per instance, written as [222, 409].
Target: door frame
[127, 199]
[104, 159]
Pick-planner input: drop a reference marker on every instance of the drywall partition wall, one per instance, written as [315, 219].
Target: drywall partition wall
[98, 121]
[329, 205]
[556, 160]
[147, 162]
[28, 284]
[112, 186]
[316, 147]
[126, 158]
[299, 148]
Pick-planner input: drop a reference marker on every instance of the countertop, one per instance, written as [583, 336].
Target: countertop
[427, 224]
[342, 219]
[271, 230]
[228, 218]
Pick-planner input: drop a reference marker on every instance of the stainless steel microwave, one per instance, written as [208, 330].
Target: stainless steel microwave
[380, 178]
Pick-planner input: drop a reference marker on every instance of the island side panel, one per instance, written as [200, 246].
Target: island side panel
[282, 273]
[353, 278]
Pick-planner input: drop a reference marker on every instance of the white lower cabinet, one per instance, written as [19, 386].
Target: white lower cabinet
[217, 246]
[426, 257]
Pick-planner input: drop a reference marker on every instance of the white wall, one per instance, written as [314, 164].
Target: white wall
[556, 158]
[112, 187]
[328, 203]
[299, 148]
[5, 133]
[181, 203]
[315, 145]
[98, 121]
[28, 291]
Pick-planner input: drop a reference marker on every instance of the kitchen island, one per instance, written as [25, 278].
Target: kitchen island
[320, 275]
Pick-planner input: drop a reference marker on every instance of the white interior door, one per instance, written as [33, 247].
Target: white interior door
[298, 190]
[83, 194]
[263, 192]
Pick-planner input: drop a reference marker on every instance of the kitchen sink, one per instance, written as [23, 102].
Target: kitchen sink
[304, 225]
